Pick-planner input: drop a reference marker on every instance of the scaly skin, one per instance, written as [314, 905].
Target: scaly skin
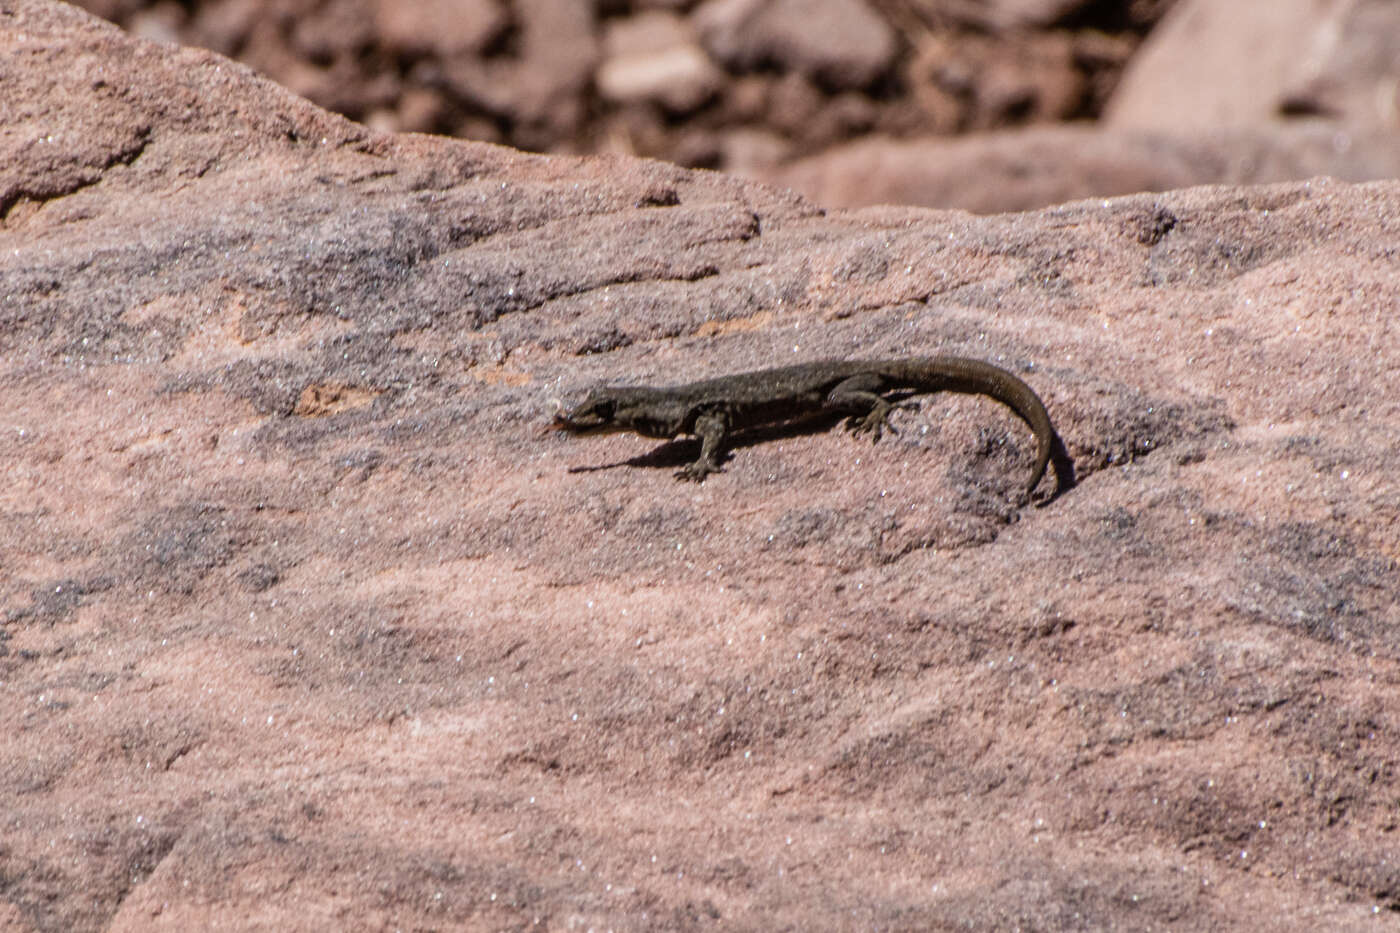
[714, 408]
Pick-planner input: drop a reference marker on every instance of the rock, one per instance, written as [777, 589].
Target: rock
[1210, 65]
[447, 28]
[552, 75]
[842, 43]
[159, 23]
[680, 79]
[651, 31]
[655, 57]
[1352, 75]
[751, 153]
[541, 90]
[1031, 168]
[304, 617]
[998, 15]
[979, 82]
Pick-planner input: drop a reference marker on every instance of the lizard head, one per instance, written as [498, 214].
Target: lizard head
[595, 414]
[609, 409]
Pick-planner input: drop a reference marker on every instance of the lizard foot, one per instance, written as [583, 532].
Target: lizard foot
[697, 471]
[870, 424]
[877, 420]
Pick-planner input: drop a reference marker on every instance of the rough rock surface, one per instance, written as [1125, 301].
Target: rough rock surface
[307, 625]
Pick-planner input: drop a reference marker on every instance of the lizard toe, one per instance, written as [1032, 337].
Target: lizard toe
[696, 472]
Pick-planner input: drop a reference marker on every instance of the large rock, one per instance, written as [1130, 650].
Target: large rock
[1015, 170]
[307, 625]
[1210, 64]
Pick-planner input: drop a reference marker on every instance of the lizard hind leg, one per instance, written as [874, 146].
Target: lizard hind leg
[876, 421]
[870, 412]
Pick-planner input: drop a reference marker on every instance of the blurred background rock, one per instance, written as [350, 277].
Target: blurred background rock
[986, 105]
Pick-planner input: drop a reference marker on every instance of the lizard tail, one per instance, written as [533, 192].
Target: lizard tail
[962, 374]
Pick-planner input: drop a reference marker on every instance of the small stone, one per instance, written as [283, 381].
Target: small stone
[680, 79]
[439, 27]
[843, 44]
[654, 57]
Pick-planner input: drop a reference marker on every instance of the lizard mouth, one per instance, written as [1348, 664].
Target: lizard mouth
[584, 424]
[578, 421]
[564, 420]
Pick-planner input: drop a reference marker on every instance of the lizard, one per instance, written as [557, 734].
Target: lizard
[713, 408]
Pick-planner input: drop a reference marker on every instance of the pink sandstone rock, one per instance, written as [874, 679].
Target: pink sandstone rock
[305, 624]
[1210, 65]
[1024, 169]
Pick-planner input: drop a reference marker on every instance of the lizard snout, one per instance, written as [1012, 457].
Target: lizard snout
[559, 418]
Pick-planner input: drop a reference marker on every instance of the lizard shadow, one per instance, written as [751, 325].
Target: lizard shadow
[1063, 465]
[681, 451]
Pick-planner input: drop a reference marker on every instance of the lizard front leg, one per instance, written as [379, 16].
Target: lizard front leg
[711, 427]
[870, 412]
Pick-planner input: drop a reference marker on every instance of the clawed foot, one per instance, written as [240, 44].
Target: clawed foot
[697, 471]
[873, 424]
[877, 420]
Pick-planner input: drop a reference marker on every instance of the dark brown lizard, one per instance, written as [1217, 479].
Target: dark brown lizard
[714, 408]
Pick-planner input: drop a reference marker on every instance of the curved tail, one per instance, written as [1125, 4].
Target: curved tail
[962, 374]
